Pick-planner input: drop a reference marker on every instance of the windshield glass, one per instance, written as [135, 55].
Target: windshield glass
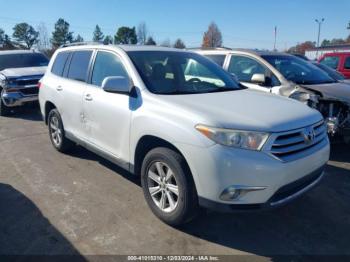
[22, 60]
[167, 72]
[331, 72]
[298, 71]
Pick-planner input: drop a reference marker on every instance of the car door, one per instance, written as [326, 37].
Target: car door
[107, 115]
[346, 70]
[244, 68]
[72, 88]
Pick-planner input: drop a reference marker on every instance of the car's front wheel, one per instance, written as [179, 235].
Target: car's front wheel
[168, 186]
[56, 131]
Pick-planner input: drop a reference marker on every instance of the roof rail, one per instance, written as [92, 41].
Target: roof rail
[82, 43]
[210, 48]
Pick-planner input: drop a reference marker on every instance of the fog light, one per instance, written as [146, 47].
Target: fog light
[230, 193]
[233, 193]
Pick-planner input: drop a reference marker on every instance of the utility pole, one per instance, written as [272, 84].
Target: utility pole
[319, 22]
[274, 45]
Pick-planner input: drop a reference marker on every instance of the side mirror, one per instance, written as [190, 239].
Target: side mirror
[116, 84]
[258, 79]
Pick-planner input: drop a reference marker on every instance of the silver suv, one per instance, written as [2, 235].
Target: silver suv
[193, 134]
[290, 76]
[20, 72]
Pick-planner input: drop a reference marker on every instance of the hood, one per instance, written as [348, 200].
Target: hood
[245, 110]
[22, 72]
[346, 81]
[339, 91]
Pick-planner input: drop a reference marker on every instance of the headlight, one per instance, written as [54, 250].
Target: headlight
[235, 138]
[3, 83]
[304, 97]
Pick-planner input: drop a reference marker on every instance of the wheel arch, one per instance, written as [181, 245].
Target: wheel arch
[48, 107]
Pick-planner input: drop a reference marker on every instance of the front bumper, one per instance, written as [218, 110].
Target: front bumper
[216, 168]
[14, 99]
[282, 197]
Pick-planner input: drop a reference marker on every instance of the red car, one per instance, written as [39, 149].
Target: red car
[337, 61]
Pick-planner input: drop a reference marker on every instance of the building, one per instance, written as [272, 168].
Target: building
[315, 53]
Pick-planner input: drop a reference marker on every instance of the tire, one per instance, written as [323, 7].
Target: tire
[175, 209]
[4, 110]
[56, 132]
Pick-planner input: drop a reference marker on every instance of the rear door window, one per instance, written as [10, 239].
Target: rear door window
[347, 63]
[331, 61]
[218, 59]
[60, 62]
[79, 65]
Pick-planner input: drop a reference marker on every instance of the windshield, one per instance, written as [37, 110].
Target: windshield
[22, 60]
[331, 72]
[298, 71]
[167, 72]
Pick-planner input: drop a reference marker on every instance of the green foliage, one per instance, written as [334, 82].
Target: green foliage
[78, 39]
[108, 40]
[25, 34]
[179, 44]
[61, 35]
[98, 35]
[126, 35]
[150, 41]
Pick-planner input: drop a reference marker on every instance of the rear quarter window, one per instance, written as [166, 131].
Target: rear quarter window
[59, 64]
[79, 65]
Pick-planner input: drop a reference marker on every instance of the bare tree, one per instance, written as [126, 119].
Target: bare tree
[212, 37]
[43, 41]
[142, 33]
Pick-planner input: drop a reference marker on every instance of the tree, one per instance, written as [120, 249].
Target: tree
[108, 40]
[326, 42]
[179, 44]
[43, 40]
[25, 34]
[337, 41]
[98, 35]
[150, 41]
[61, 35]
[301, 48]
[78, 39]
[5, 41]
[142, 33]
[126, 35]
[2, 37]
[212, 37]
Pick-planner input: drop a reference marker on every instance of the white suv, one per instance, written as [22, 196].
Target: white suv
[193, 134]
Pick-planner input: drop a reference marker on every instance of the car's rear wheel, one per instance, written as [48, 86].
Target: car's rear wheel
[56, 131]
[168, 186]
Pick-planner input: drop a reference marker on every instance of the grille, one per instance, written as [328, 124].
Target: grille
[30, 91]
[299, 143]
[27, 82]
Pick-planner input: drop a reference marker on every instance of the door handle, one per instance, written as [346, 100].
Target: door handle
[59, 88]
[88, 97]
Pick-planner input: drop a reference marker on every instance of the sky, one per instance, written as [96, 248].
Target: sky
[246, 24]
